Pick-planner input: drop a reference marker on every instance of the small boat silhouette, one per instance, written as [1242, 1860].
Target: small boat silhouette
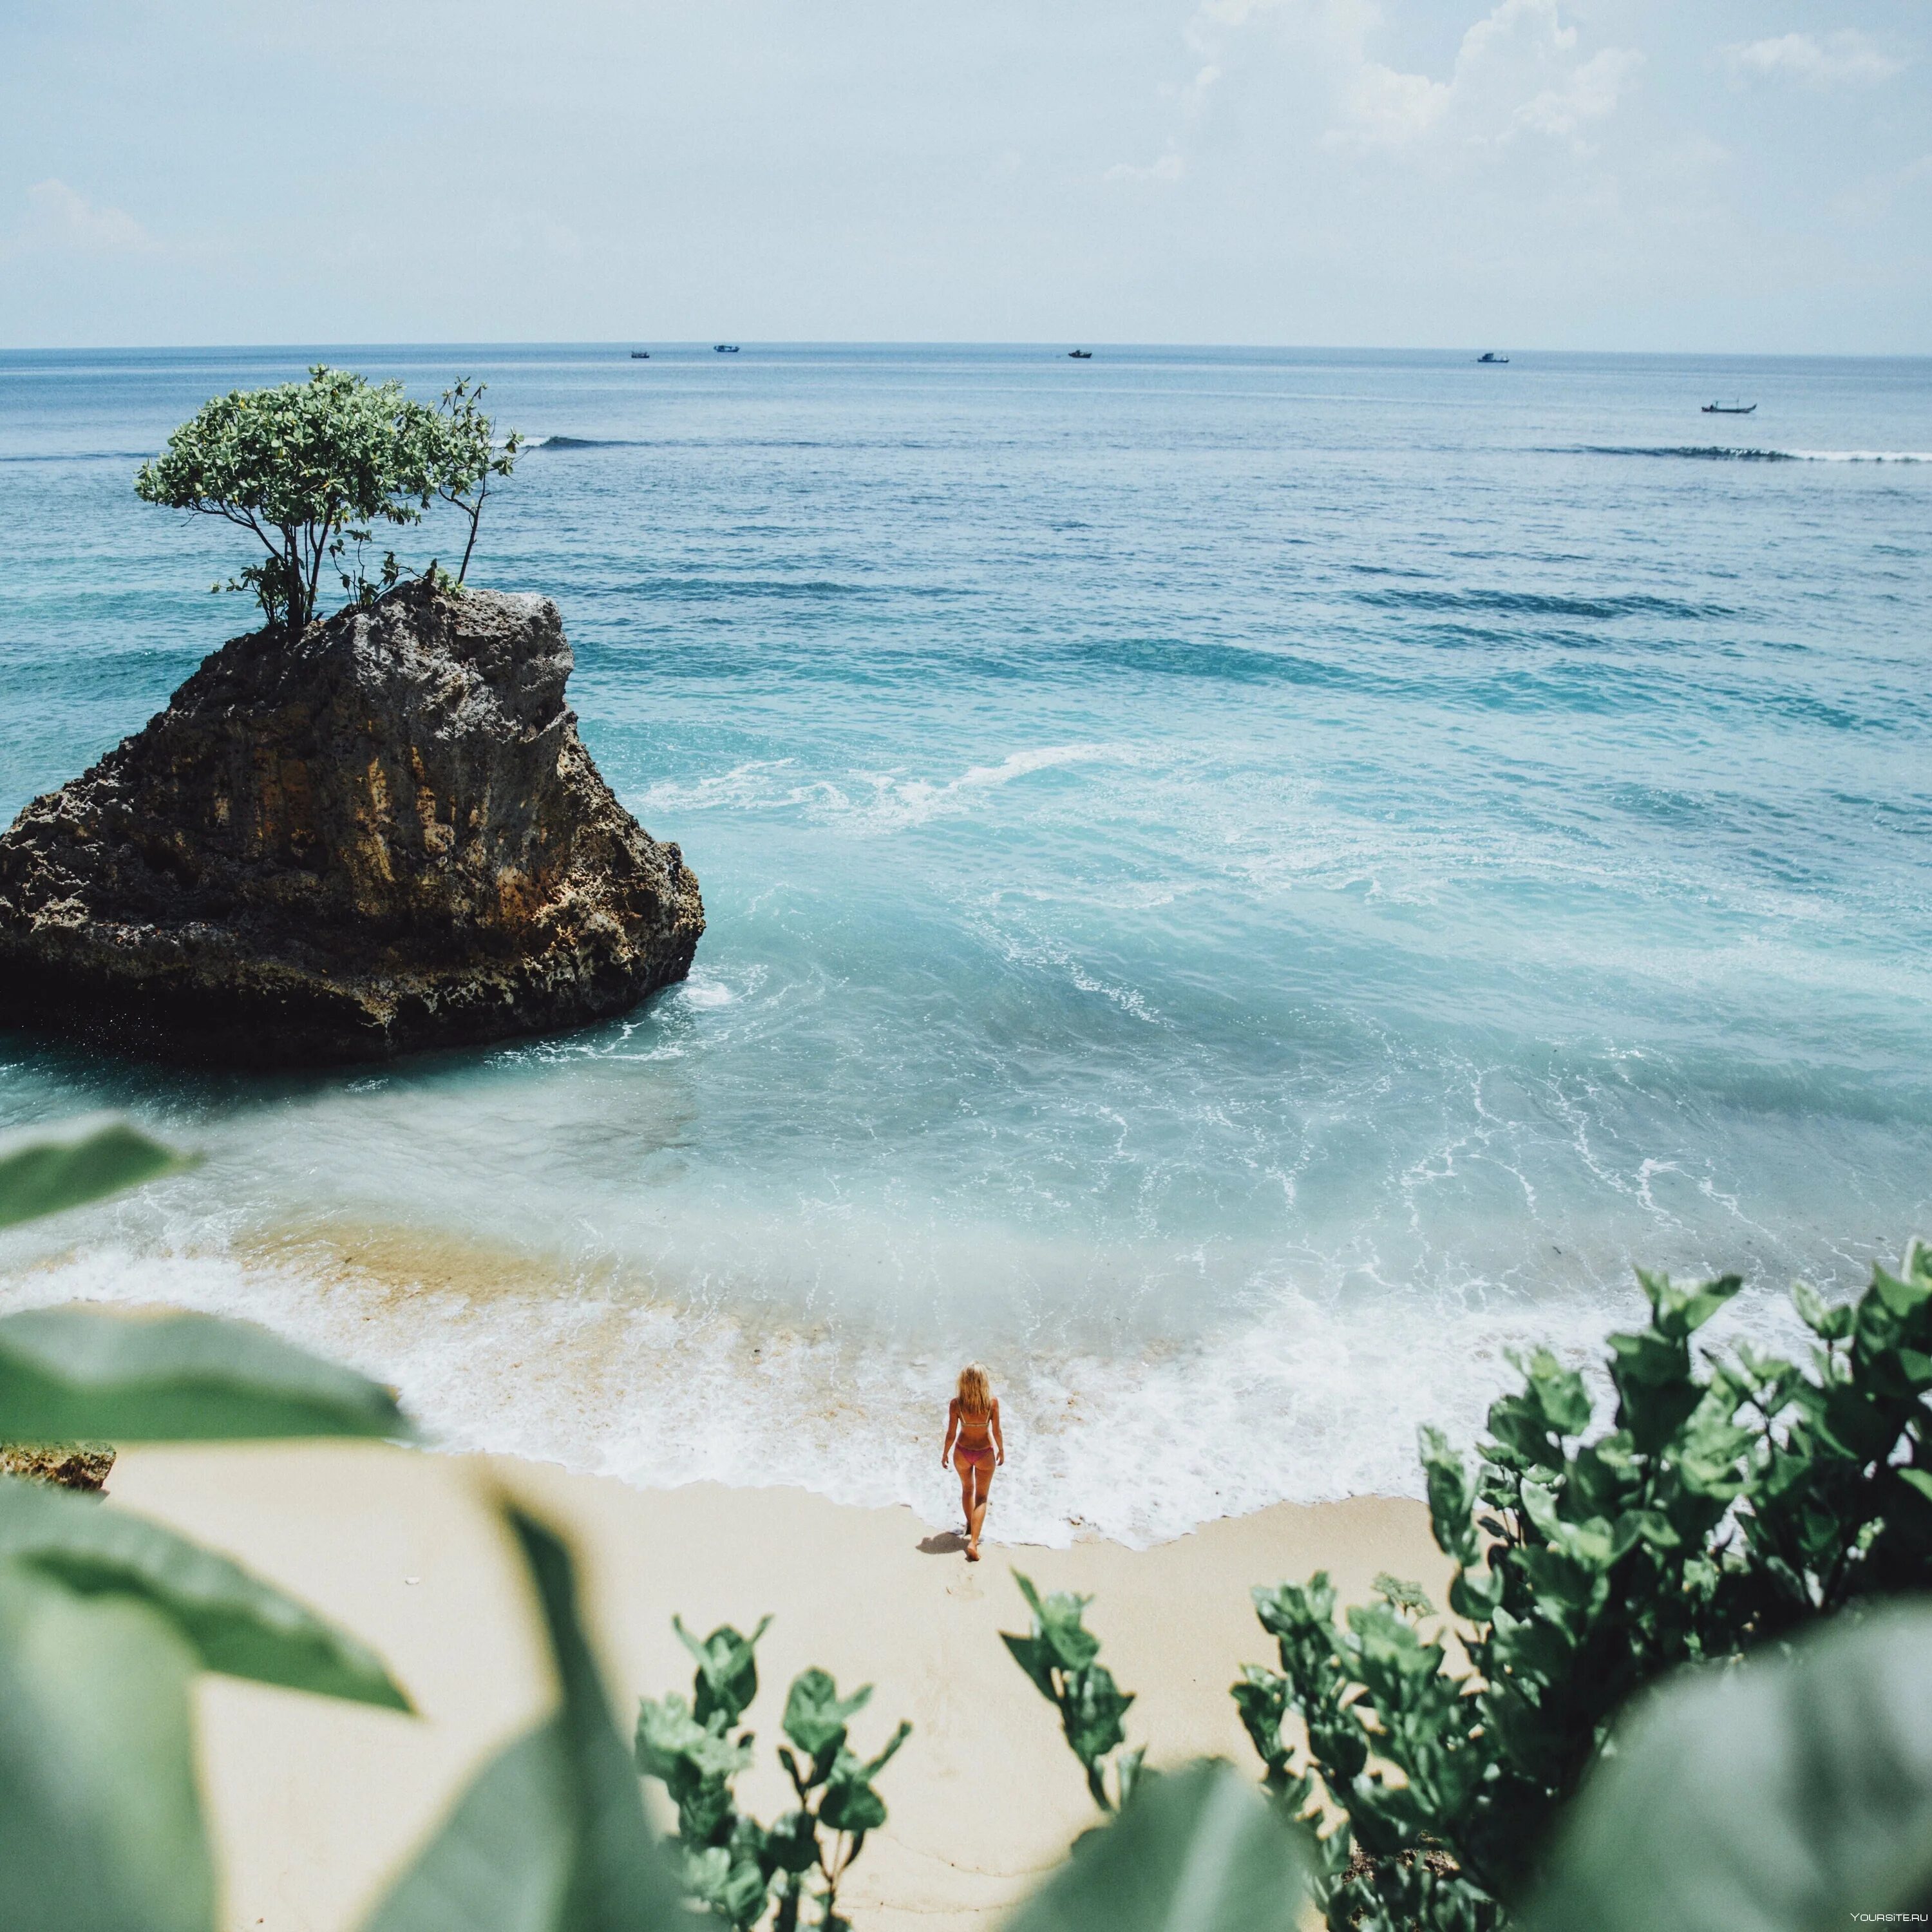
[724, 348]
[640, 355]
[1081, 355]
[1490, 355]
[1728, 409]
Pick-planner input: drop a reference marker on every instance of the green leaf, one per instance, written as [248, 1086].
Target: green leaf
[234, 1623]
[1093, 1713]
[551, 1837]
[815, 1715]
[42, 1173]
[1780, 1795]
[1195, 1851]
[99, 1815]
[1056, 1620]
[79, 1374]
[1827, 1323]
[1452, 1498]
[728, 1669]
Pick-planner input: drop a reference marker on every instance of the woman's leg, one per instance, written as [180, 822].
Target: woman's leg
[976, 1515]
[965, 1469]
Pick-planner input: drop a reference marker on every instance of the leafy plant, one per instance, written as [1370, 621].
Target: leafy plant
[473, 462]
[1719, 1511]
[45, 1173]
[732, 1864]
[309, 469]
[1785, 1791]
[1062, 1658]
[105, 1618]
[551, 1835]
[1193, 1851]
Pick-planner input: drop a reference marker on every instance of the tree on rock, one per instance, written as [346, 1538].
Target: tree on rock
[309, 469]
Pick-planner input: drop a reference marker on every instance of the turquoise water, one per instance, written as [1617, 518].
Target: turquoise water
[1240, 885]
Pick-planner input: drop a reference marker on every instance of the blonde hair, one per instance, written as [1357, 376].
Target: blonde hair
[976, 1392]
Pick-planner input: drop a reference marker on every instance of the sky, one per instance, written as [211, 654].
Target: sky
[1632, 175]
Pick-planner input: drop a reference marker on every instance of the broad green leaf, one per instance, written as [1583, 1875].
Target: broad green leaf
[100, 1816]
[551, 1837]
[42, 1172]
[1195, 1851]
[815, 1715]
[728, 1669]
[1780, 1795]
[501, 1862]
[1056, 1621]
[1093, 1711]
[234, 1623]
[80, 1374]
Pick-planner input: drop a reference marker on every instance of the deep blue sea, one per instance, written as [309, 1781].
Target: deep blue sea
[1241, 885]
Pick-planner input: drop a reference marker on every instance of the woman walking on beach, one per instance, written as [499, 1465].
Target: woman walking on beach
[976, 1446]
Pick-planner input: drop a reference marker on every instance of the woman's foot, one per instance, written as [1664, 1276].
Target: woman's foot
[972, 1552]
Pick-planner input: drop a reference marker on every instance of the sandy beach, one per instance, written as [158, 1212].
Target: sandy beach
[316, 1802]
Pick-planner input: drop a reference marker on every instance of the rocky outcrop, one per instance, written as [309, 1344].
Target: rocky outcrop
[383, 835]
[69, 1466]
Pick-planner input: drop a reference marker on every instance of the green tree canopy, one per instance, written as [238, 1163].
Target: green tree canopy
[309, 470]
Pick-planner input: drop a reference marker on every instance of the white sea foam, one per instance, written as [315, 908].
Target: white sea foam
[861, 802]
[1304, 1400]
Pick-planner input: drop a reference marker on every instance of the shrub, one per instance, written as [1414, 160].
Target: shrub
[309, 470]
[1719, 1512]
[731, 1864]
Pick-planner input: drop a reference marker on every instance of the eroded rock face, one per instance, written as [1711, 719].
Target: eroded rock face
[383, 836]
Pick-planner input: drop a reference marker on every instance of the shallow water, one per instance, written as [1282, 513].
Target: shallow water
[1240, 886]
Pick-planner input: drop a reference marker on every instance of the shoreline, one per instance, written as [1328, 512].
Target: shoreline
[610, 1370]
[314, 1802]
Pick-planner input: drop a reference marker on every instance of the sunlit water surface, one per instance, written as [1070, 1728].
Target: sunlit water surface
[1241, 885]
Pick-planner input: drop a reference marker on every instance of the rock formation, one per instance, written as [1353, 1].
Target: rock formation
[383, 835]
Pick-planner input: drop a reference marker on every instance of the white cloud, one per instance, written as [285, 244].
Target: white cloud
[1170, 166]
[1518, 70]
[61, 218]
[1846, 57]
[1194, 95]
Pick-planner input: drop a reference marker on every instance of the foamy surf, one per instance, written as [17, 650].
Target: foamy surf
[1713, 452]
[1305, 1401]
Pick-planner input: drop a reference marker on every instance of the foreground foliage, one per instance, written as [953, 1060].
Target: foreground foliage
[731, 1864]
[309, 469]
[1719, 1513]
[1063, 1657]
[1722, 1510]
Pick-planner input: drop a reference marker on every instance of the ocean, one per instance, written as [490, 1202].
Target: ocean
[1243, 886]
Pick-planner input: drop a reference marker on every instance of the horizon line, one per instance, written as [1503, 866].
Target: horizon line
[1058, 344]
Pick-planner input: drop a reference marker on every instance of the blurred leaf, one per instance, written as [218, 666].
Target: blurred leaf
[728, 1669]
[235, 1623]
[1195, 1851]
[815, 1715]
[1780, 1795]
[80, 1374]
[100, 1819]
[42, 1173]
[551, 1837]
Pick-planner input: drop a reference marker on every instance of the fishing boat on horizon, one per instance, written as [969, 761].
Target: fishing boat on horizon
[640, 355]
[724, 348]
[1728, 409]
[1081, 355]
[1490, 355]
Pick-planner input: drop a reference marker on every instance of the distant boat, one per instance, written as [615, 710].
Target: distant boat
[1081, 355]
[724, 348]
[1490, 355]
[640, 355]
[1728, 409]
